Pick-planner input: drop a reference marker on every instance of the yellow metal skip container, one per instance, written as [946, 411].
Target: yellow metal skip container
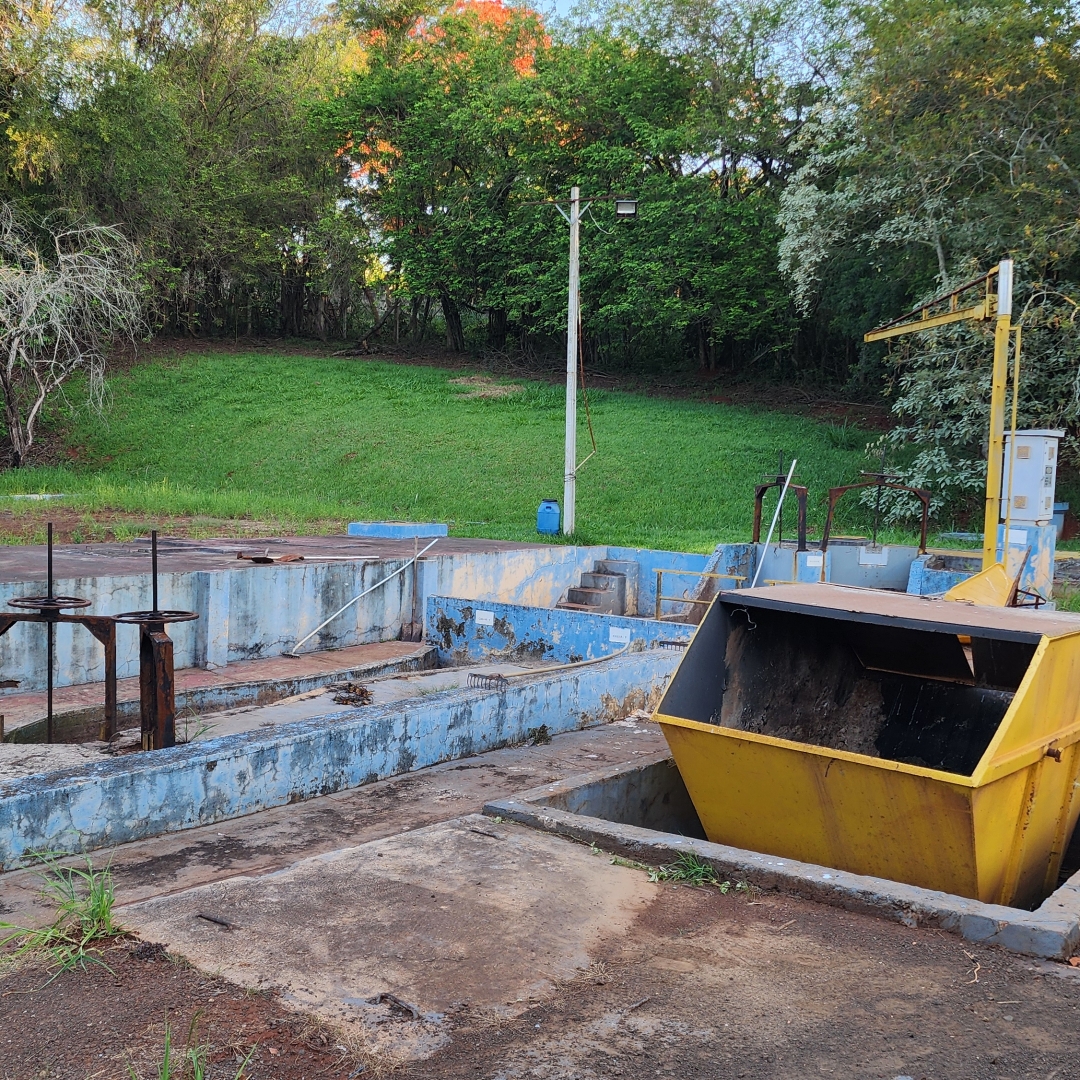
[859, 730]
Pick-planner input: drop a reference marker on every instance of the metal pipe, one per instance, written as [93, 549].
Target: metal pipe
[549, 670]
[776, 514]
[153, 567]
[996, 447]
[345, 607]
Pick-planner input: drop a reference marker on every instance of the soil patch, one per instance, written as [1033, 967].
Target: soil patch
[27, 525]
[482, 386]
[86, 1025]
[718, 987]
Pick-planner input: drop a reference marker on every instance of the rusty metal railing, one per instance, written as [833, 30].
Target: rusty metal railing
[660, 598]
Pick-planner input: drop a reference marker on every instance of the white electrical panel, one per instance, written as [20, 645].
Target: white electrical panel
[1033, 469]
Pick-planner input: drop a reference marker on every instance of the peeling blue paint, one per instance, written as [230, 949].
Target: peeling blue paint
[471, 630]
[141, 795]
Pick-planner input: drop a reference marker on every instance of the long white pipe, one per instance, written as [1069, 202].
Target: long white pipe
[776, 515]
[400, 569]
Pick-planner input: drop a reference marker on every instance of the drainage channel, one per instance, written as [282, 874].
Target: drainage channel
[97, 804]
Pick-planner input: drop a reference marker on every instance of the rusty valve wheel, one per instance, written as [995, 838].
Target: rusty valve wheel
[48, 603]
[143, 617]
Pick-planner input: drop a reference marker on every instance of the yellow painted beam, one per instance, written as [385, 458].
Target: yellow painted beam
[978, 311]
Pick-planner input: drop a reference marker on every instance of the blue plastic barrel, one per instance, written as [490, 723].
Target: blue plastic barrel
[547, 518]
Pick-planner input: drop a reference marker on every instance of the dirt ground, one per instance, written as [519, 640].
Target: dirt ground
[701, 985]
[27, 525]
[100, 1025]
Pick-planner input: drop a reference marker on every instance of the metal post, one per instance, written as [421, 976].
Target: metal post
[153, 568]
[50, 634]
[572, 319]
[996, 449]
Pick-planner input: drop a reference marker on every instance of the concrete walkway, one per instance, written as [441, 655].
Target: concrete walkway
[274, 839]
[21, 709]
[454, 946]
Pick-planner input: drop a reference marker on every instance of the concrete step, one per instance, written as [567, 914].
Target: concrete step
[612, 584]
[631, 572]
[626, 567]
[602, 601]
[607, 582]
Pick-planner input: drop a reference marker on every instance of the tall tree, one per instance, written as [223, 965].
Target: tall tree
[952, 143]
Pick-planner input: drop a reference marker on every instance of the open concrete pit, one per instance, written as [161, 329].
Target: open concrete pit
[455, 880]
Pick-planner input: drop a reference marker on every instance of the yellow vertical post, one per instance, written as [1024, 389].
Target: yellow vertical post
[996, 452]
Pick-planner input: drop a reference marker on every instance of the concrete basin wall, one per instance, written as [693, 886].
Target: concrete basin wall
[260, 611]
[470, 630]
[140, 795]
[639, 811]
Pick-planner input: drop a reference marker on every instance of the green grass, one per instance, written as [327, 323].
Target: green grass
[316, 440]
[84, 899]
[191, 1063]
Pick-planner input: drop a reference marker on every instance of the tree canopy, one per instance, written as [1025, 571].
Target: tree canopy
[393, 168]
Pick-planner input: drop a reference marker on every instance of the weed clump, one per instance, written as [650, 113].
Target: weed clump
[690, 869]
[84, 899]
[191, 1063]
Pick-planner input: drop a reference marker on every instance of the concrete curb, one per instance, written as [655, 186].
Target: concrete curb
[1052, 931]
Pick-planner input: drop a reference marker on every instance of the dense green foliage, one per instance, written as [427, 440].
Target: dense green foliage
[305, 440]
[391, 169]
[952, 141]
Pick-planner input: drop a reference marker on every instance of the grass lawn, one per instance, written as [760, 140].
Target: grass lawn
[314, 442]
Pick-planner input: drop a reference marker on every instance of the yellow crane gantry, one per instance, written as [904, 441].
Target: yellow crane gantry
[991, 304]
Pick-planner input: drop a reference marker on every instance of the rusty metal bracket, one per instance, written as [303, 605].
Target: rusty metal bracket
[879, 481]
[157, 692]
[800, 496]
[49, 609]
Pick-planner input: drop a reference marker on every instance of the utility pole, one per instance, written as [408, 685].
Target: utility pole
[572, 319]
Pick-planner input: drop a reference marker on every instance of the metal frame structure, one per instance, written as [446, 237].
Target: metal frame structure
[879, 480]
[157, 692]
[801, 493]
[49, 609]
[990, 305]
[660, 598]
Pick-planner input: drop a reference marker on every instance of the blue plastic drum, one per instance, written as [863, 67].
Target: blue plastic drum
[547, 518]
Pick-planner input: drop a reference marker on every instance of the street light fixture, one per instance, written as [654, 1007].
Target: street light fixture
[625, 207]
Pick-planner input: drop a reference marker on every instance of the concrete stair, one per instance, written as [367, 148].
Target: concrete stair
[603, 590]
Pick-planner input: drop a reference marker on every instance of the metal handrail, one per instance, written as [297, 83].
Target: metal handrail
[660, 598]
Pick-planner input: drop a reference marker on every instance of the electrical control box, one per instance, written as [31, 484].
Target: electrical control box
[1029, 476]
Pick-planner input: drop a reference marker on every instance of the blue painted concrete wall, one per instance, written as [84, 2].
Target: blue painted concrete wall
[733, 558]
[142, 795]
[397, 530]
[259, 611]
[924, 581]
[1038, 541]
[538, 576]
[470, 630]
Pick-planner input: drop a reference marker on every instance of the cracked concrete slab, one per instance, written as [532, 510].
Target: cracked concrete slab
[468, 913]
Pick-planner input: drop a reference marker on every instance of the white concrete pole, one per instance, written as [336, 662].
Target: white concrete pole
[572, 315]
